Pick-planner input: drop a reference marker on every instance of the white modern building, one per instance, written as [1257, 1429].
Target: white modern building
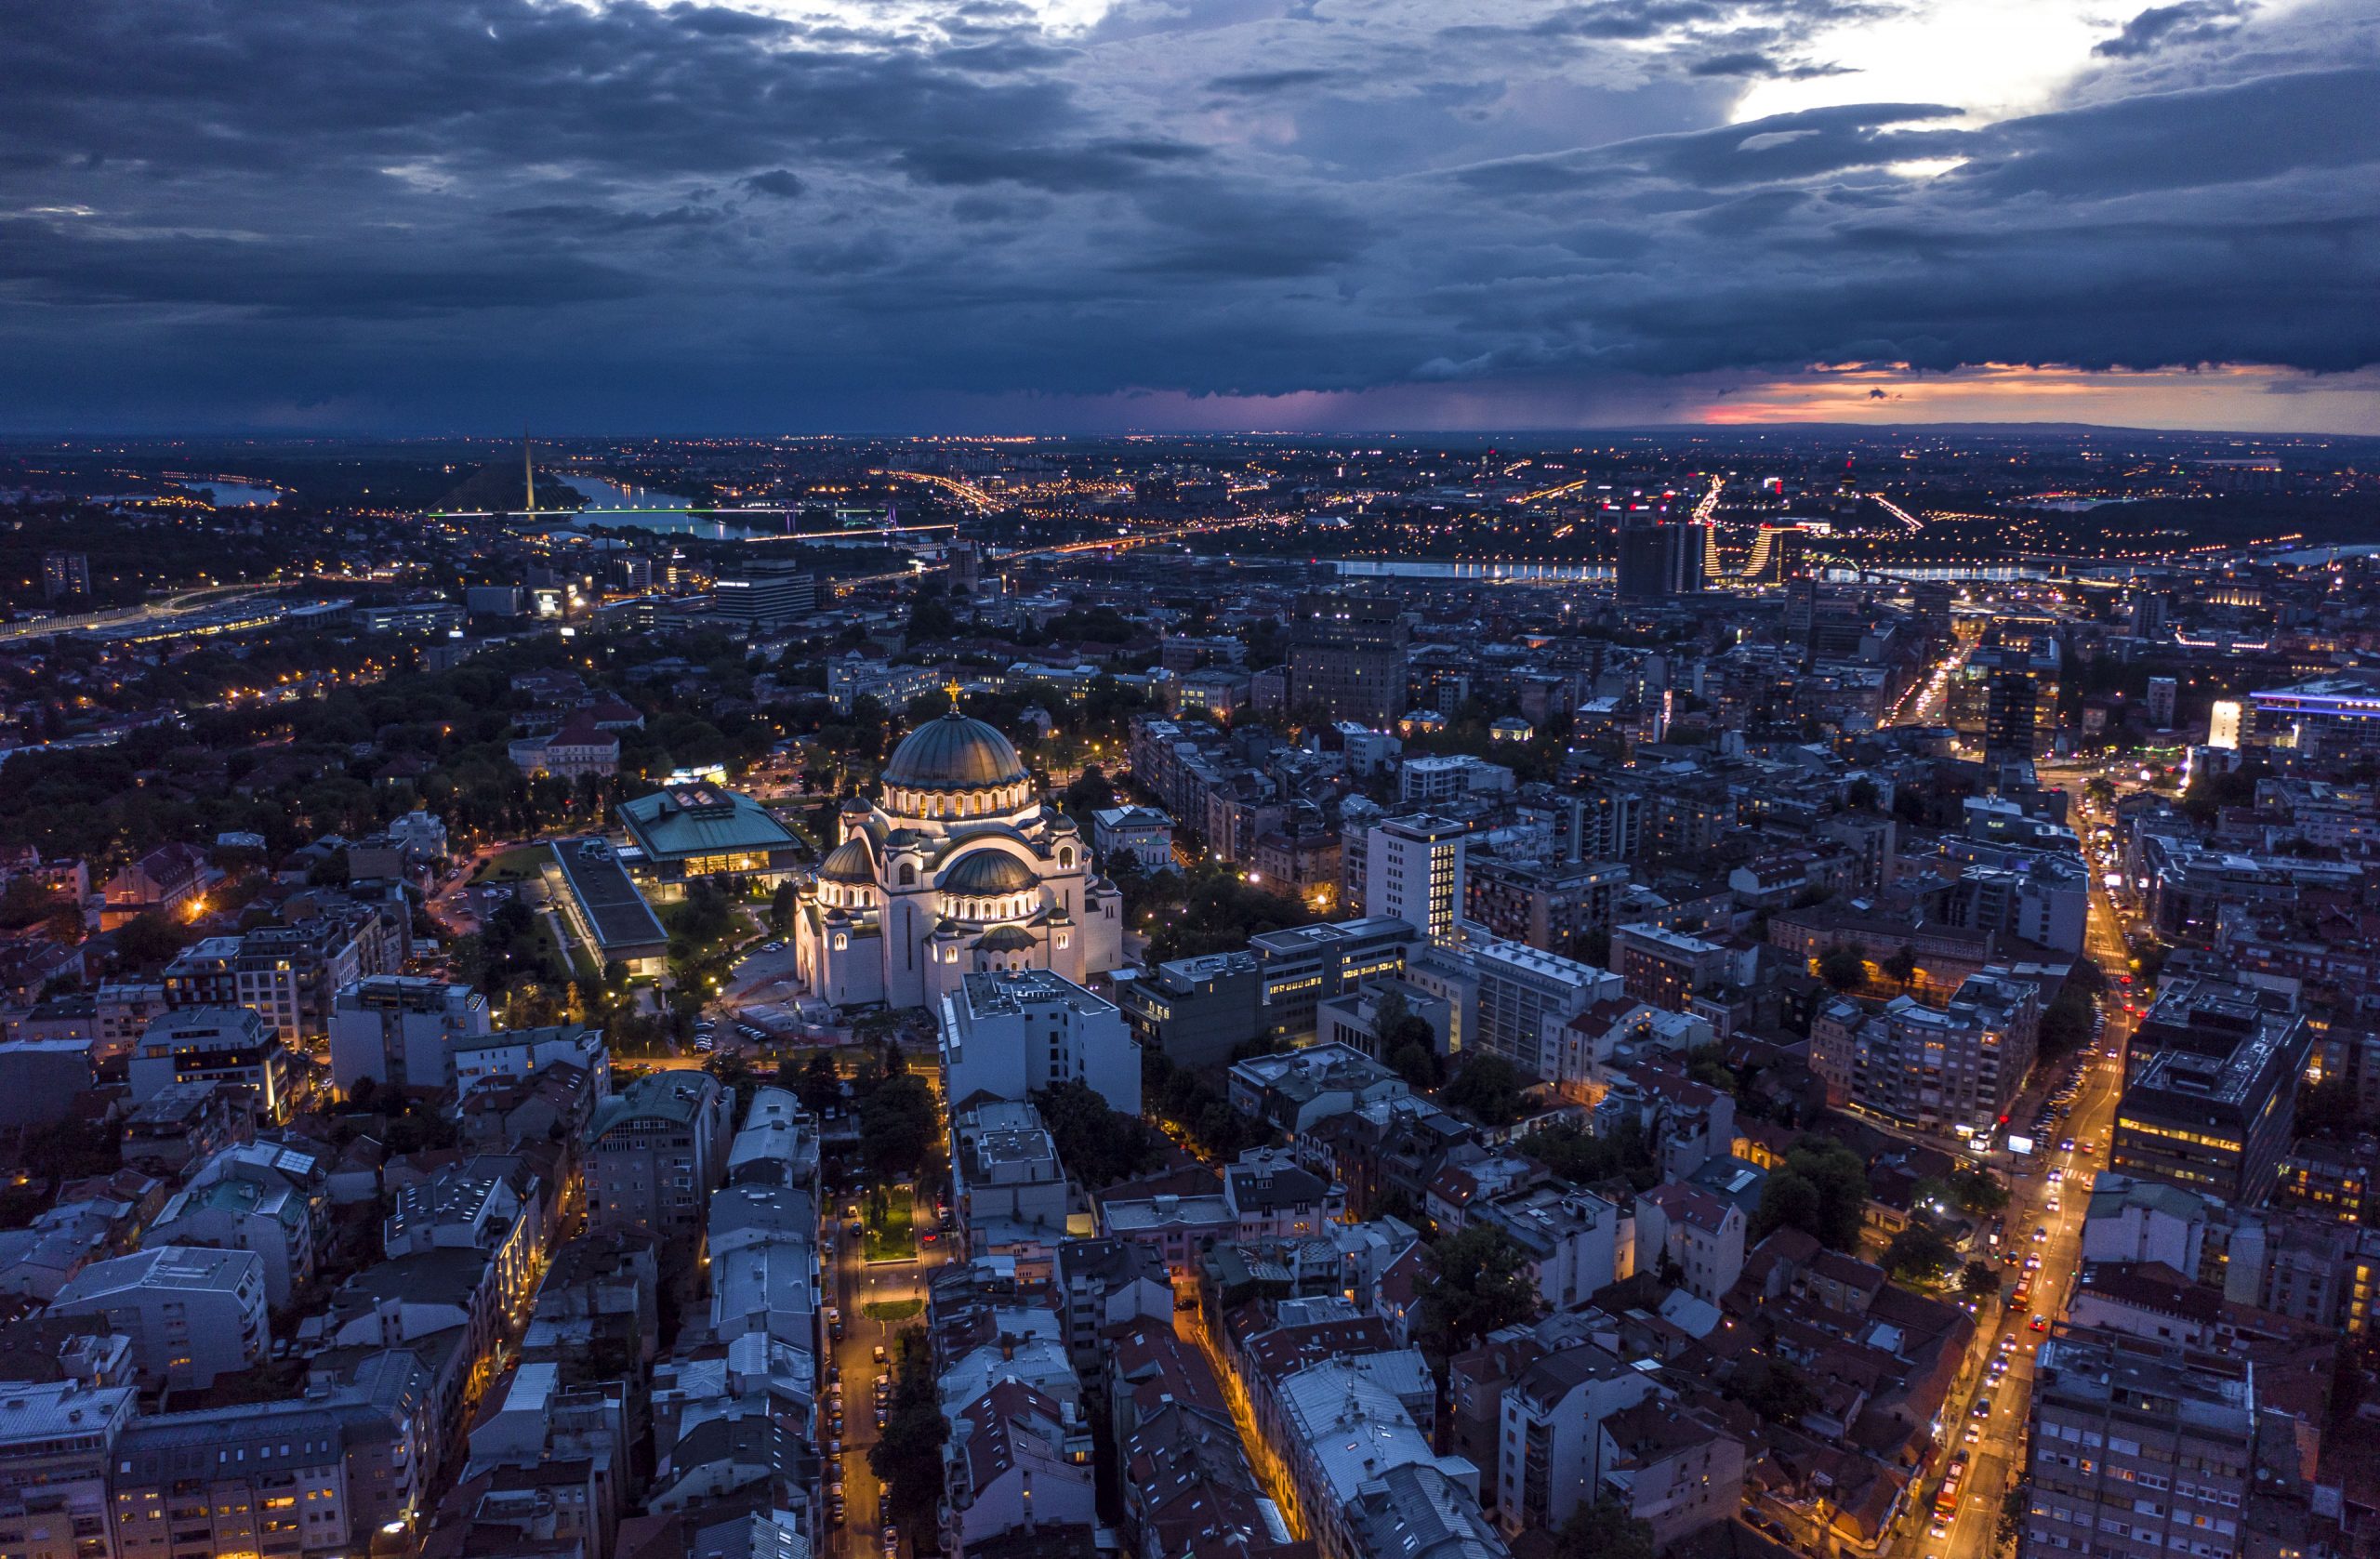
[1010, 1035]
[1413, 872]
[401, 1031]
[191, 1314]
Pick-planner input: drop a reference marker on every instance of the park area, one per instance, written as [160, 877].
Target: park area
[891, 1233]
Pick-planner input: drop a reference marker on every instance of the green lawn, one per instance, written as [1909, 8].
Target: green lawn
[894, 1310]
[896, 1241]
[514, 864]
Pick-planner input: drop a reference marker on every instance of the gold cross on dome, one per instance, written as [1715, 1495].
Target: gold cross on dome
[951, 687]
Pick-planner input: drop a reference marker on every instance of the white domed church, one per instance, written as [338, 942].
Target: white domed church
[959, 870]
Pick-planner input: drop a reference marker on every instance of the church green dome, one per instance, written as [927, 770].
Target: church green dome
[953, 753]
[987, 872]
[848, 862]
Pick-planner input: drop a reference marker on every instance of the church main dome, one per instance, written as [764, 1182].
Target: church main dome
[953, 753]
[987, 871]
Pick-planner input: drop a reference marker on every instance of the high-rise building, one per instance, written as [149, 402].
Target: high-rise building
[1347, 658]
[65, 573]
[1657, 559]
[764, 594]
[2226, 724]
[2153, 614]
[2139, 1449]
[1413, 872]
[2005, 698]
[2161, 693]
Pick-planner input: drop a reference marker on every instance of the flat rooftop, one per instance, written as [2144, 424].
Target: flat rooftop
[614, 910]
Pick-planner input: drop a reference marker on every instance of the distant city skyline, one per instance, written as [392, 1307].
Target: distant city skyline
[1101, 216]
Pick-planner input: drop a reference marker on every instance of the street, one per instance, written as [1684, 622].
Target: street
[854, 1283]
[1994, 1456]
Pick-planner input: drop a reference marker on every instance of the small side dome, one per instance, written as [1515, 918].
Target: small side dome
[848, 862]
[987, 872]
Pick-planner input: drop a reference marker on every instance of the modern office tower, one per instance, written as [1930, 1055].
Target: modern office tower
[1413, 873]
[2141, 1450]
[65, 573]
[764, 594]
[1347, 657]
[1303, 966]
[2212, 1106]
[1658, 560]
[2005, 697]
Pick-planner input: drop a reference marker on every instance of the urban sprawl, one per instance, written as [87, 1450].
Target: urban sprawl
[1238, 997]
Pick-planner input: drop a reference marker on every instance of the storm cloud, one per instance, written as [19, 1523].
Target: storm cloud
[454, 213]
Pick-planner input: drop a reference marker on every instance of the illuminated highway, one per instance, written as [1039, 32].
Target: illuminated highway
[185, 603]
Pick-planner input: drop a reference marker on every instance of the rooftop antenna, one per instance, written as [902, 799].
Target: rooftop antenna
[529, 470]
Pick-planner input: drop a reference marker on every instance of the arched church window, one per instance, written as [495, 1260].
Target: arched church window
[909, 875]
[1066, 860]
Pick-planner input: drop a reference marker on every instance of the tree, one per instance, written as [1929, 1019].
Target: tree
[1978, 1190]
[1902, 965]
[1488, 1088]
[1919, 1254]
[1099, 1146]
[896, 1124]
[908, 1454]
[781, 904]
[1772, 1388]
[1845, 968]
[1707, 1064]
[1604, 1530]
[1822, 1190]
[1979, 1280]
[816, 1084]
[1408, 1043]
[1586, 1158]
[150, 938]
[2012, 1514]
[1090, 792]
[1482, 1285]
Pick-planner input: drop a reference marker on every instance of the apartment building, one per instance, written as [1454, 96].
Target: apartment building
[191, 1314]
[399, 1031]
[655, 1151]
[2141, 1450]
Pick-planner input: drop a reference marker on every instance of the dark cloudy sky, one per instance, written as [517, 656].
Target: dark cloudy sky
[801, 215]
